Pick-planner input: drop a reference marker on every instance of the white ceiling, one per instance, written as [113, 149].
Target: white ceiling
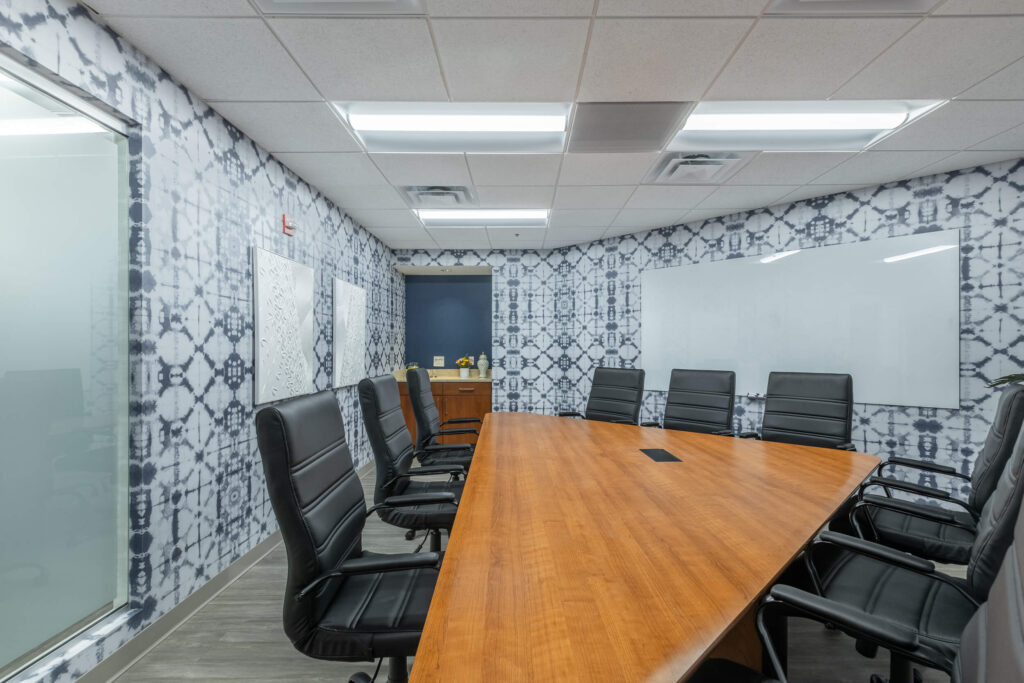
[272, 76]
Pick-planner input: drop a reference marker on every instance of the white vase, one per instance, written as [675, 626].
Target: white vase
[483, 364]
[464, 373]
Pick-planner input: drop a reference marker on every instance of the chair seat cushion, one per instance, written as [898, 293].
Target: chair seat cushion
[922, 537]
[934, 609]
[375, 615]
[724, 671]
[438, 516]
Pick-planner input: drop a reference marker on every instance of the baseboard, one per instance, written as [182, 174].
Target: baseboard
[122, 658]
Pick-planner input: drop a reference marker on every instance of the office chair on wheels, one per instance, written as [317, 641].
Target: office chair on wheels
[341, 602]
[808, 409]
[429, 426]
[615, 396]
[700, 401]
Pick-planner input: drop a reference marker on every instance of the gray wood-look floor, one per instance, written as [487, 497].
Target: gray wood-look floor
[237, 636]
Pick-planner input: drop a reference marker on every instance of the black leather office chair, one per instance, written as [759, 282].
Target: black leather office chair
[929, 531]
[615, 396]
[341, 602]
[700, 401]
[808, 409]
[393, 452]
[429, 426]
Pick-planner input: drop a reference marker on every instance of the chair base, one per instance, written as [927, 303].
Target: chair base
[398, 672]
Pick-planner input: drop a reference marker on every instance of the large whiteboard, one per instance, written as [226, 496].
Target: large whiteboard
[894, 326]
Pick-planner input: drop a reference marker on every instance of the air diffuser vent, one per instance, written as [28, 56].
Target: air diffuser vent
[696, 168]
[341, 7]
[438, 196]
[847, 8]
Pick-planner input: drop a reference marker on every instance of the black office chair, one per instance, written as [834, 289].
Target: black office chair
[615, 396]
[700, 401]
[341, 602]
[393, 452]
[429, 426]
[989, 648]
[808, 409]
[929, 531]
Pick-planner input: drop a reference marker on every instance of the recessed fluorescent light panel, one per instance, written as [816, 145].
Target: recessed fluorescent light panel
[456, 127]
[491, 218]
[850, 125]
[850, 7]
[921, 252]
[341, 7]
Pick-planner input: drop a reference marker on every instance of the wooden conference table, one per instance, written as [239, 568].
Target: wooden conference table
[575, 556]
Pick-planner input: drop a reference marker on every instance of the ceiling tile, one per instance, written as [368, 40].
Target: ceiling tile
[423, 169]
[592, 196]
[787, 168]
[657, 60]
[461, 238]
[333, 169]
[373, 219]
[364, 197]
[1011, 139]
[565, 237]
[606, 169]
[675, 8]
[940, 58]
[220, 59]
[648, 218]
[957, 125]
[981, 7]
[966, 160]
[365, 59]
[405, 238]
[504, 60]
[668, 196]
[178, 8]
[619, 230]
[514, 169]
[1007, 84]
[698, 215]
[511, 238]
[812, 191]
[774, 62]
[515, 196]
[504, 8]
[289, 126]
[746, 196]
[876, 168]
[581, 218]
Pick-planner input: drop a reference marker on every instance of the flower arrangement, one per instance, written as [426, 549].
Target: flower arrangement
[464, 362]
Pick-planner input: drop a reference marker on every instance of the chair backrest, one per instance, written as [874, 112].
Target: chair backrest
[615, 395]
[385, 428]
[428, 420]
[808, 408]
[998, 445]
[996, 524]
[700, 400]
[317, 498]
[992, 644]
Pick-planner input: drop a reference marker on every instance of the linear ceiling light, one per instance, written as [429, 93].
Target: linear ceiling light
[795, 126]
[779, 255]
[457, 127]
[58, 125]
[518, 218]
[921, 252]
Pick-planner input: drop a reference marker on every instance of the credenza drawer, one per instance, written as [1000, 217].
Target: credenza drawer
[463, 388]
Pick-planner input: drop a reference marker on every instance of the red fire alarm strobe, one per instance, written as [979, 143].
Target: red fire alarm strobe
[287, 225]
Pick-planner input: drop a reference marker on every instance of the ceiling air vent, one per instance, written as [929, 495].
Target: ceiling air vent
[847, 8]
[438, 196]
[696, 168]
[341, 7]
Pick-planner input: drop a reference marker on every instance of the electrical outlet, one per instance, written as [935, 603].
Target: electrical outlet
[438, 361]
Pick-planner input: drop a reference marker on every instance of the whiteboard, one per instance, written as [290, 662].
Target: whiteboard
[894, 325]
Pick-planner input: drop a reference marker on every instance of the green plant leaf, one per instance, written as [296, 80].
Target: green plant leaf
[1009, 379]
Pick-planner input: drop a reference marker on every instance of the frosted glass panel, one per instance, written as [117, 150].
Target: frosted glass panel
[885, 311]
[63, 372]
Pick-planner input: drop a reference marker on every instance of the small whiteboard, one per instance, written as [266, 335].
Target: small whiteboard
[892, 323]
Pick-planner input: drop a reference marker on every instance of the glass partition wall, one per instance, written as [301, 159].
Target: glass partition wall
[63, 371]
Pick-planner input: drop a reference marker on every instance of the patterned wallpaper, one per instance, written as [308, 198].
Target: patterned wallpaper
[202, 195]
[560, 313]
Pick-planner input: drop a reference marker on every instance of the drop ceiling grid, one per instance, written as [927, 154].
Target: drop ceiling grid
[947, 12]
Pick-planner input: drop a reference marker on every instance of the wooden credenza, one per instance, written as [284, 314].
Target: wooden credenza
[453, 399]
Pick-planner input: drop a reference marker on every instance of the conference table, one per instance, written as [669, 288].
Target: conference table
[576, 556]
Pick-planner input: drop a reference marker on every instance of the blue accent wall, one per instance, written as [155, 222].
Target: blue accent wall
[447, 315]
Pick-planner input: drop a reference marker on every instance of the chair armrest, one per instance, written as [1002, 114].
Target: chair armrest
[374, 565]
[424, 471]
[569, 413]
[623, 422]
[932, 512]
[846, 447]
[846, 618]
[906, 486]
[436, 447]
[461, 430]
[749, 435]
[896, 461]
[412, 499]
[724, 432]
[877, 551]
[650, 424]
[461, 420]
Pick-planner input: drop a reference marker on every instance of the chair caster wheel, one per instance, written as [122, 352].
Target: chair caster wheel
[360, 678]
[410, 534]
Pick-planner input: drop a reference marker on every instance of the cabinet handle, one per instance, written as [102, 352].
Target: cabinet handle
[466, 388]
